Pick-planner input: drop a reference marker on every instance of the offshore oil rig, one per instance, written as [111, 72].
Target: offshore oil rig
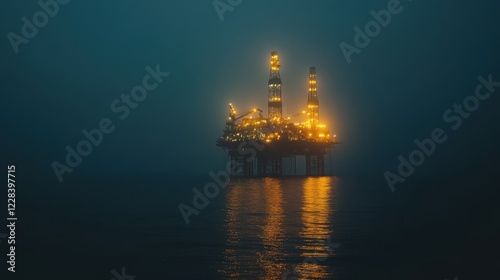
[278, 138]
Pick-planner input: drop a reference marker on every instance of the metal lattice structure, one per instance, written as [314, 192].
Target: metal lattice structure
[275, 105]
[312, 99]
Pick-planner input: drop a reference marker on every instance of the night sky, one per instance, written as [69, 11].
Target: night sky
[395, 91]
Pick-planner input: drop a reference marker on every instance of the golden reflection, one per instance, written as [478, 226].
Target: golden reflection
[255, 231]
[274, 224]
[316, 211]
[272, 261]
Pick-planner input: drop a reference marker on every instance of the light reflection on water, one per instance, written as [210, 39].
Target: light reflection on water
[271, 224]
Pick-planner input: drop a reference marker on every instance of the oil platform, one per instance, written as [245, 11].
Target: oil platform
[268, 147]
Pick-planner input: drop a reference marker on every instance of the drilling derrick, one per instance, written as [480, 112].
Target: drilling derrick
[274, 90]
[312, 100]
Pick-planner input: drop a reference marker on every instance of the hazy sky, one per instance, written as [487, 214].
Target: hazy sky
[396, 90]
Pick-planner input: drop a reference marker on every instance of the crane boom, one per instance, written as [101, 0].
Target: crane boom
[232, 113]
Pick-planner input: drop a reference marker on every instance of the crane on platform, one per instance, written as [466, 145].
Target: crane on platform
[232, 114]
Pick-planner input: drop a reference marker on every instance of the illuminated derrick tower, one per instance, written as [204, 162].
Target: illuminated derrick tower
[274, 90]
[312, 100]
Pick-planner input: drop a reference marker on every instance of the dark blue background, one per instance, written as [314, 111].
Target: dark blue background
[396, 90]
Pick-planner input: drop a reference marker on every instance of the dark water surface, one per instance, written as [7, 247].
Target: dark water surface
[308, 228]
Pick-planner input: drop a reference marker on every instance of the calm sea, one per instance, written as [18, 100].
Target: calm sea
[290, 228]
